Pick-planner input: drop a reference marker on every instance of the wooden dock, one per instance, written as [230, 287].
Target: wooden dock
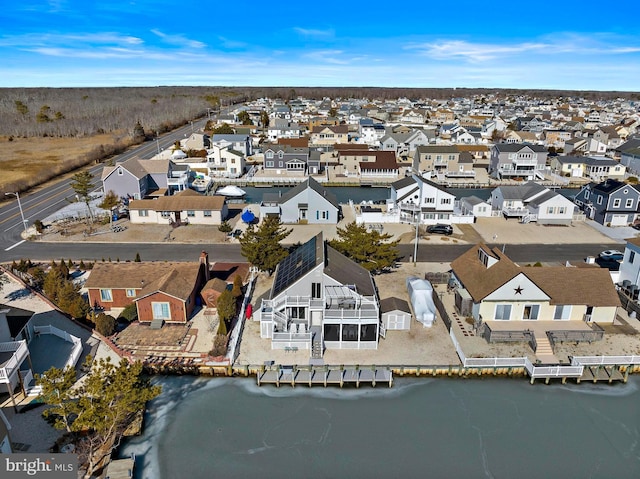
[330, 376]
[603, 373]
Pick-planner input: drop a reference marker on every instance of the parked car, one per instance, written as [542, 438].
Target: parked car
[440, 229]
[611, 255]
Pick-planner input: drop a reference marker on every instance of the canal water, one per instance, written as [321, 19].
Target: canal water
[419, 428]
[358, 194]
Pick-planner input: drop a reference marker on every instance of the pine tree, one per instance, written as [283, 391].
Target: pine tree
[371, 249]
[261, 246]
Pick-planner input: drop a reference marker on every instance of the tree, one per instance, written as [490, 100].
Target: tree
[371, 249]
[261, 246]
[138, 132]
[237, 287]
[223, 129]
[137, 258]
[225, 227]
[226, 305]
[109, 201]
[82, 183]
[105, 324]
[264, 119]
[244, 118]
[56, 387]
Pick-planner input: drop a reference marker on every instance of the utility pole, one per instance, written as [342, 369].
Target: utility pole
[24, 222]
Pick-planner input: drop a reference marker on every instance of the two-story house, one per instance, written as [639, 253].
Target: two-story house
[418, 200]
[532, 202]
[443, 161]
[285, 160]
[329, 135]
[610, 203]
[309, 202]
[137, 178]
[525, 161]
[238, 142]
[224, 161]
[320, 299]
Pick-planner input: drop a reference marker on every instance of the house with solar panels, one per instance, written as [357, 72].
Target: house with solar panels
[320, 299]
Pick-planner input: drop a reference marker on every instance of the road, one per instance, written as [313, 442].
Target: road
[47, 200]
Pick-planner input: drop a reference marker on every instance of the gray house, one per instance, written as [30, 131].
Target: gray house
[137, 178]
[611, 203]
[518, 160]
[309, 202]
[238, 142]
[281, 159]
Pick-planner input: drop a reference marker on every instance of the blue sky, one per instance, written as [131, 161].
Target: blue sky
[543, 44]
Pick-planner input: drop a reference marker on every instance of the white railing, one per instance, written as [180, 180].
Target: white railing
[286, 337]
[552, 371]
[20, 351]
[605, 360]
[76, 351]
[518, 161]
[233, 349]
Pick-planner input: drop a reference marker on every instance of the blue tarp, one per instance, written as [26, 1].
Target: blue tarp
[248, 216]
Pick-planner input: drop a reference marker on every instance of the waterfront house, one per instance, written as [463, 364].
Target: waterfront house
[477, 207]
[443, 161]
[308, 202]
[137, 178]
[224, 161]
[630, 155]
[610, 203]
[162, 291]
[509, 161]
[329, 135]
[320, 299]
[417, 199]
[532, 202]
[353, 161]
[629, 277]
[285, 160]
[186, 207]
[550, 301]
[238, 142]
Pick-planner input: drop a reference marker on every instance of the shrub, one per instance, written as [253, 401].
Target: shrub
[224, 227]
[130, 313]
[105, 324]
[219, 345]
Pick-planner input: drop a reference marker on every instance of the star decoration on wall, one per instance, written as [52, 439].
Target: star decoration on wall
[518, 290]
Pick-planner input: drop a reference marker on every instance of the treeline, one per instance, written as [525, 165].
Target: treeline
[76, 112]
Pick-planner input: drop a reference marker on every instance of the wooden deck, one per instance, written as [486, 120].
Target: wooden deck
[349, 375]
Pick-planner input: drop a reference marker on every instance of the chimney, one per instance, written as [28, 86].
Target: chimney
[204, 260]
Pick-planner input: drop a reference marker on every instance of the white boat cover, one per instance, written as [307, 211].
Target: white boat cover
[421, 295]
[230, 190]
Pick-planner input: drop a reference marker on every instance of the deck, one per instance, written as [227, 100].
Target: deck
[325, 376]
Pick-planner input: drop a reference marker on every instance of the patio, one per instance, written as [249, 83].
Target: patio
[49, 350]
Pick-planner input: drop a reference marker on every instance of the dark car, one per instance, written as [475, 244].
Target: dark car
[440, 229]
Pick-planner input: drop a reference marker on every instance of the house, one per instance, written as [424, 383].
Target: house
[197, 141]
[610, 203]
[384, 166]
[285, 160]
[185, 207]
[320, 299]
[352, 162]
[532, 202]
[629, 277]
[329, 135]
[502, 296]
[137, 178]
[222, 276]
[283, 128]
[443, 161]
[395, 314]
[238, 142]
[630, 155]
[472, 205]
[417, 199]
[225, 162]
[600, 168]
[162, 291]
[5, 437]
[510, 161]
[308, 202]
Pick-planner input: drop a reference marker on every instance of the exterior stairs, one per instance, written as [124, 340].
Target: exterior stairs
[544, 350]
[316, 343]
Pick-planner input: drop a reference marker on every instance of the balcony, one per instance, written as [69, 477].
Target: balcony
[523, 162]
[12, 354]
[515, 211]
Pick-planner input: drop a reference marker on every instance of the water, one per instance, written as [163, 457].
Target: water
[346, 193]
[436, 428]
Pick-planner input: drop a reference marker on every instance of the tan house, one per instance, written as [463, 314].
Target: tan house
[446, 160]
[186, 207]
[329, 135]
[502, 296]
[352, 162]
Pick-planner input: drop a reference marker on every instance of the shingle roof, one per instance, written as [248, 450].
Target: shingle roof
[17, 318]
[394, 304]
[346, 271]
[514, 147]
[182, 201]
[309, 183]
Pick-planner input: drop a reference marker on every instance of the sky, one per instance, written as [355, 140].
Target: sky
[573, 45]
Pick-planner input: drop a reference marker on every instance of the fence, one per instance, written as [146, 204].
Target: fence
[236, 333]
[77, 344]
[441, 310]
[558, 336]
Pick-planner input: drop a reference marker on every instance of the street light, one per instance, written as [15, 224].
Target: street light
[24, 222]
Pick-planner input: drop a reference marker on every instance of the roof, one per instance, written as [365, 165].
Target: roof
[346, 271]
[175, 278]
[298, 263]
[139, 167]
[308, 183]
[394, 304]
[381, 163]
[479, 280]
[17, 318]
[521, 192]
[182, 201]
[514, 147]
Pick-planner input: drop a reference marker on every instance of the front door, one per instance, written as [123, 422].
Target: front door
[303, 214]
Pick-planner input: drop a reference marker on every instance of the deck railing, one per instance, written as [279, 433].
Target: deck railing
[20, 351]
[76, 351]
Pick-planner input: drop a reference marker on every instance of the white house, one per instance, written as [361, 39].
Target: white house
[420, 200]
[185, 207]
[532, 202]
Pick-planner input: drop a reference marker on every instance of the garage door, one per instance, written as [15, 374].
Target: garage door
[619, 220]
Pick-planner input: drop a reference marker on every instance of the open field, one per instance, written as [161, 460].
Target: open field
[26, 162]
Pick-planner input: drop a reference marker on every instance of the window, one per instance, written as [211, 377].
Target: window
[586, 195]
[316, 290]
[269, 164]
[429, 200]
[503, 312]
[165, 214]
[120, 172]
[161, 310]
[131, 293]
[562, 312]
[632, 256]
[616, 203]
[531, 311]
[105, 295]
[269, 154]
[562, 210]
[207, 213]
[445, 201]
[550, 210]
[191, 213]
[143, 213]
[599, 200]
[629, 203]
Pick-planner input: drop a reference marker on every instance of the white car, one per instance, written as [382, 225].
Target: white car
[612, 254]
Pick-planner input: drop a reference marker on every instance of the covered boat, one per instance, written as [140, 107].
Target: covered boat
[231, 190]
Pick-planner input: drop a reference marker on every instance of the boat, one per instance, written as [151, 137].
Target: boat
[231, 190]
[202, 184]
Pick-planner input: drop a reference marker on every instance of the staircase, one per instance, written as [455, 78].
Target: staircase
[316, 343]
[544, 351]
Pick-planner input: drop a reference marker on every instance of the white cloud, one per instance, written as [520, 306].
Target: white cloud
[178, 40]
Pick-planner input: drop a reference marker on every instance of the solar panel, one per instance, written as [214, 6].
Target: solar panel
[294, 266]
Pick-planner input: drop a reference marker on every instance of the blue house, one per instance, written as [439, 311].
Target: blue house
[610, 203]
